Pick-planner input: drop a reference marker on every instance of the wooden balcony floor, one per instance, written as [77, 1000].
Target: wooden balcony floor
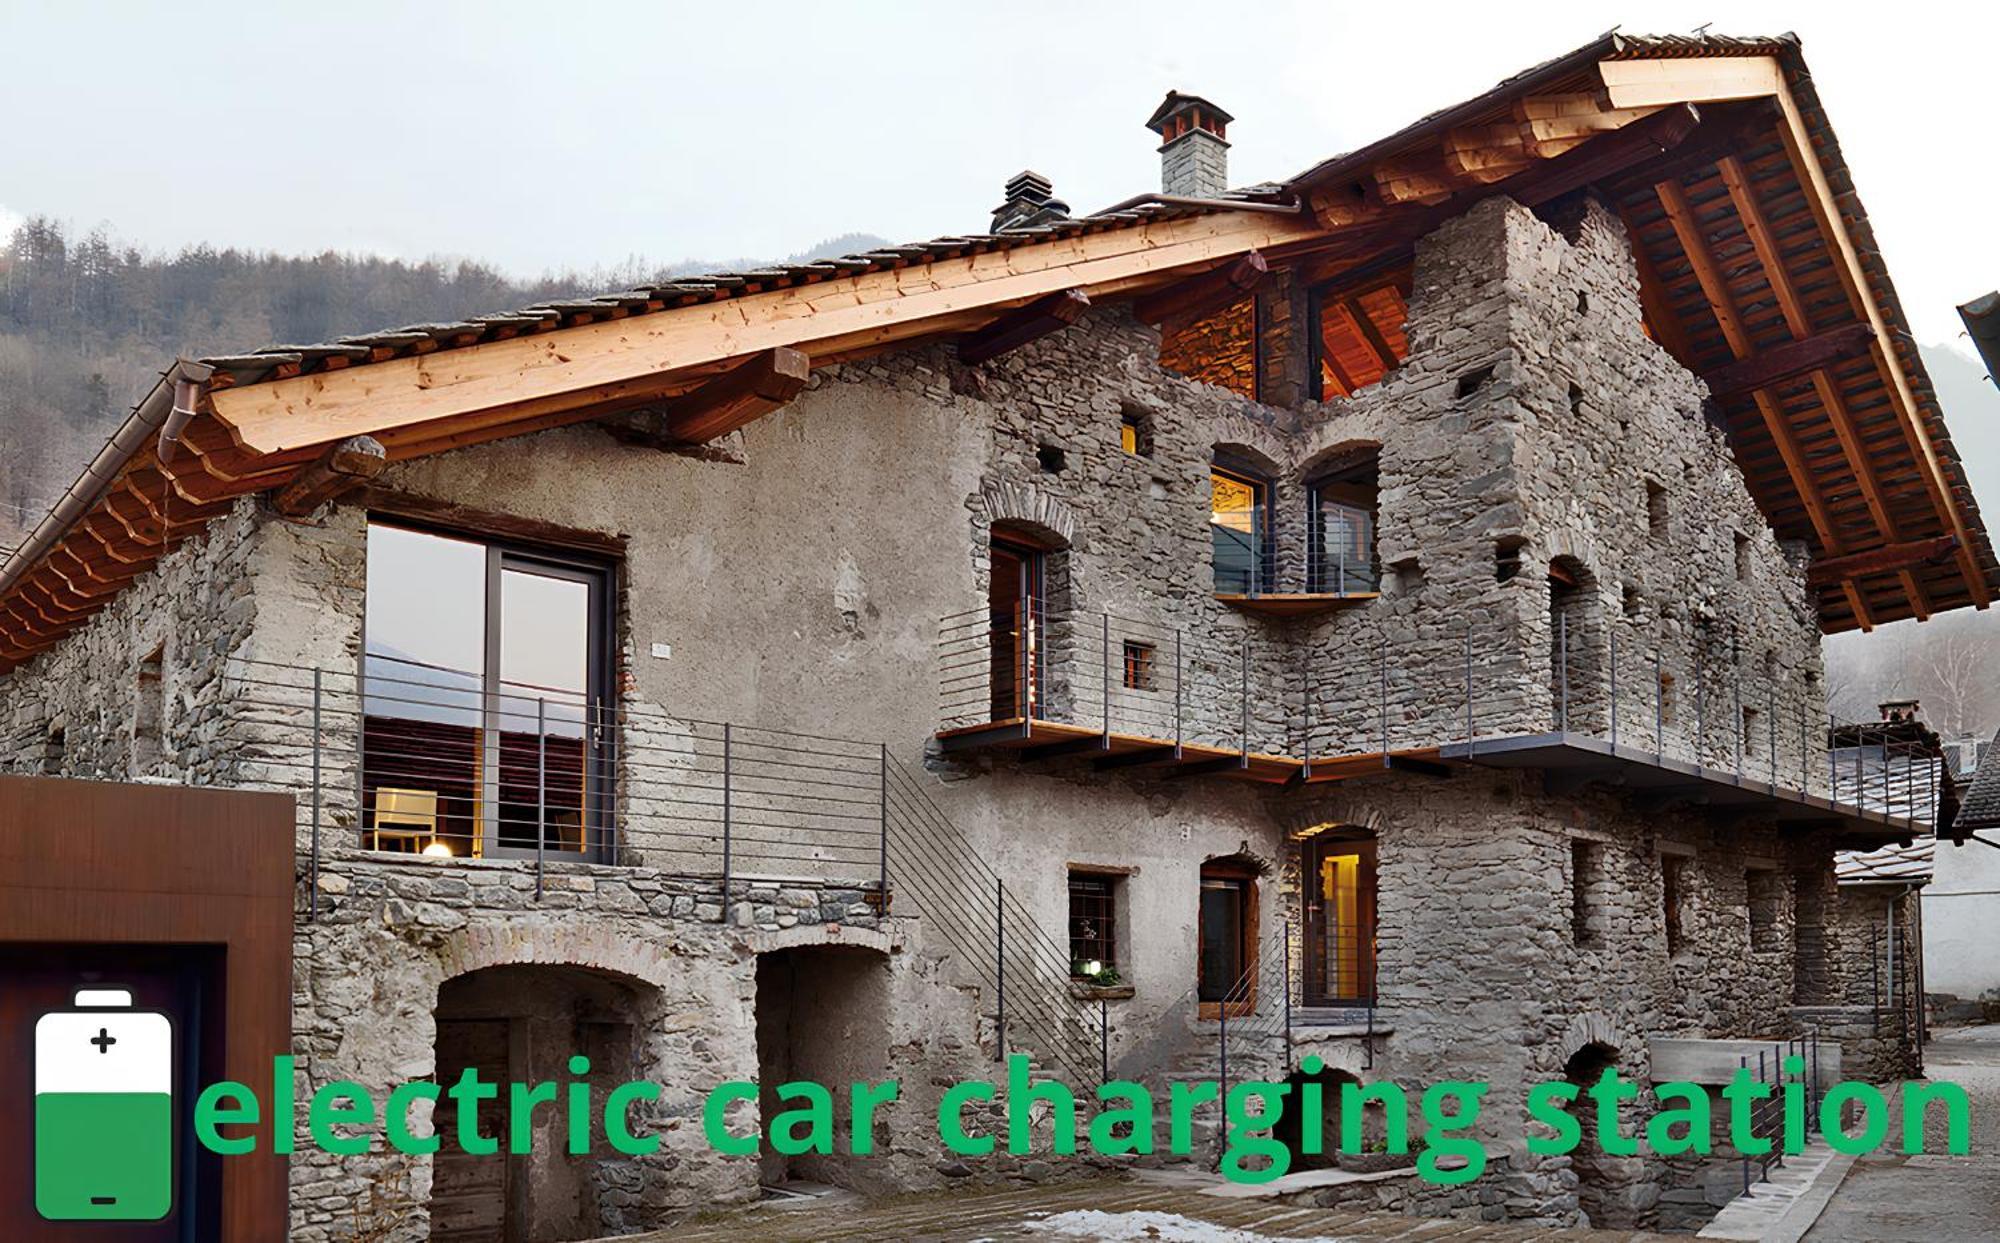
[1040, 740]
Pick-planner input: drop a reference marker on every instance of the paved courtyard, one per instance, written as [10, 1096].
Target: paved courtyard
[1143, 1209]
[1931, 1198]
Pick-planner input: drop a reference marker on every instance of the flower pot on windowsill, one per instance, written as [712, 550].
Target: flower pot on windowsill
[1099, 992]
[1375, 1162]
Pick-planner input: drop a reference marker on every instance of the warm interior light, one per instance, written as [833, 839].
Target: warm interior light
[1093, 967]
[437, 849]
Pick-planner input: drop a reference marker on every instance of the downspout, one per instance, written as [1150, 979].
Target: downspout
[165, 411]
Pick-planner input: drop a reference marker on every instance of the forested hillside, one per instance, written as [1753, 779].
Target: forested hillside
[86, 322]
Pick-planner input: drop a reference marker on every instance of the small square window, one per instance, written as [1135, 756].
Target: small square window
[1093, 925]
[1656, 509]
[1135, 431]
[1139, 665]
[1052, 459]
[1742, 557]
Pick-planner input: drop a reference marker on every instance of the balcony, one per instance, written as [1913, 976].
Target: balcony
[1603, 707]
[1333, 568]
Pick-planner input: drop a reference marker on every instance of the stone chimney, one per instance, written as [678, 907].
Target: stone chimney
[1030, 202]
[1194, 156]
[1901, 711]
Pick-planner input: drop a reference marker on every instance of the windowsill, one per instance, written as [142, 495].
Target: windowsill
[1212, 1010]
[1101, 992]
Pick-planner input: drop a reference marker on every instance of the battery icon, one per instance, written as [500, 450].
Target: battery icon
[104, 1110]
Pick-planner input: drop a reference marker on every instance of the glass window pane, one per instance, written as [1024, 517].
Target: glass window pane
[426, 650]
[1221, 964]
[544, 672]
[1235, 519]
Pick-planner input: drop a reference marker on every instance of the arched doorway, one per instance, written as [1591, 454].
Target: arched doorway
[1289, 1129]
[522, 1023]
[1596, 1172]
[1577, 664]
[822, 1017]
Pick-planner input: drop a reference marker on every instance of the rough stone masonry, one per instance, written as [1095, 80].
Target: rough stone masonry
[1522, 925]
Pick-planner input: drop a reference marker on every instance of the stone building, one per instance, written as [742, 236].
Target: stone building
[1374, 615]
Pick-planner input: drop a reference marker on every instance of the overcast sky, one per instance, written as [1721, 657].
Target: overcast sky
[540, 136]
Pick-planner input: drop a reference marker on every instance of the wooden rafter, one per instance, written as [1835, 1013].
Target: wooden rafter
[1018, 327]
[341, 469]
[1202, 296]
[754, 388]
[1777, 364]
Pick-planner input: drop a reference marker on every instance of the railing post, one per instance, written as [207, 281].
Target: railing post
[1743, 1063]
[1000, 969]
[1562, 651]
[1178, 667]
[312, 881]
[1222, 1047]
[1771, 725]
[1700, 704]
[1382, 697]
[1832, 763]
[1468, 688]
[1285, 951]
[1103, 1042]
[727, 819]
[1736, 698]
[1107, 681]
[1246, 698]
[1613, 628]
[1659, 710]
[1306, 744]
[541, 790]
[882, 841]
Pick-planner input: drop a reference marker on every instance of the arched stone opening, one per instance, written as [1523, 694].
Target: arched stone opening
[1603, 1182]
[822, 1017]
[1290, 1127]
[1578, 667]
[524, 1023]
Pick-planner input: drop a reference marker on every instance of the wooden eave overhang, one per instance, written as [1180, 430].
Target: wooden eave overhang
[1757, 269]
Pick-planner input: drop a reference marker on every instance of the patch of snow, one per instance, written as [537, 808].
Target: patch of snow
[1147, 1226]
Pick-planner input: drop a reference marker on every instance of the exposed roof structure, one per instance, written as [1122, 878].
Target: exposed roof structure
[1758, 271]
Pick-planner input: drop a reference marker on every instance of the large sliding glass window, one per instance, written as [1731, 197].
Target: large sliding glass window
[484, 698]
[1340, 530]
[1239, 519]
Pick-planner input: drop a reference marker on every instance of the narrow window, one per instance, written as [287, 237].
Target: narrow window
[1093, 926]
[1665, 702]
[1340, 529]
[1742, 557]
[1764, 892]
[1656, 509]
[1139, 665]
[1583, 864]
[1474, 380]
[1673, 894]
[1634, 602]
[1135, 431]
[54, 751]
[148, 714]
[1507, 558]
[1576, 399]
[1225, 928]
[1750, 718]
[1239, 522]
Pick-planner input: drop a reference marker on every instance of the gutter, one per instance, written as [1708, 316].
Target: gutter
[165, 409]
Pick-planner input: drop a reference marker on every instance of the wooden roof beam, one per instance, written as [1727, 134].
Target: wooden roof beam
[1022, 325]
[873, 310]
[1203, 296]
[738, 397]
[1824, 570]
[1780, 363]
[341, 469]
[1365, 325]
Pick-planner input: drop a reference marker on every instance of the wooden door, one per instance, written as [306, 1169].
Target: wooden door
[1015, 610]
[1340, 922]
[470, 1194]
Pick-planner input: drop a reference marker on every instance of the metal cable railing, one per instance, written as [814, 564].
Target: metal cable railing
[416, 758]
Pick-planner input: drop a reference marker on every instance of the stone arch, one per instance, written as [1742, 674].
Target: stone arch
[1606, 1185]
[1027, 510]
[534, 943]
[1338, 454]
[522, 1012]
[1288, 1130]
[1589, 1028]
[770, 941]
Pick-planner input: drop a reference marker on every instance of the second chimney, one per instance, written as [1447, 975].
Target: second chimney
[1194, 152]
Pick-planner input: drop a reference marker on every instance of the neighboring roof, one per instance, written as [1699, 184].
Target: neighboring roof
[1907, 864]
[1853, 460]
[1980, 807]
[1982, 324]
